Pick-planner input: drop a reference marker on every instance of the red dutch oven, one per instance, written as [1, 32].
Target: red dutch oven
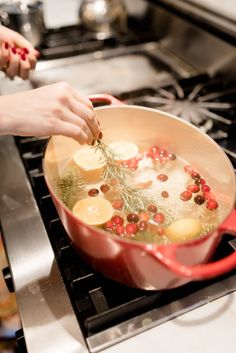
[147, 265]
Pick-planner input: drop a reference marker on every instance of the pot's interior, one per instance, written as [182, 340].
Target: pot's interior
[147, 127]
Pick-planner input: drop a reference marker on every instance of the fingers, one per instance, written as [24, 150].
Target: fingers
[16, 61]
[83, 107]
[13, 64]
[77, 122]
[86, 115]
[24, 67]
[4, 55]
[70, 130]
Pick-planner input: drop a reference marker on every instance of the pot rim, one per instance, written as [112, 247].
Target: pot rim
[141, 244]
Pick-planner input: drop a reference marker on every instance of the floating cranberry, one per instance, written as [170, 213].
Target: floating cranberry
[118, 204]
[212, 205]
[162, 177]
[209, 195]
[159, 218]
[163, 161]
[109, 226]
[205, 188]
[113, 182]
[202, 181]
[188, 169]
[143, 226]
[193, 188]
[160, 230]
[120, 229]
[133, 164]
[171, 156]
[104, 188]
[155, 156]
[195, 175]
[132, 218]
[154, 149]
[93, 192]
[199, 199]
[163, 152]
[131, 228]
[185, 195]
[152, 208]
[117, 220]
[143, 216]
[165, 194]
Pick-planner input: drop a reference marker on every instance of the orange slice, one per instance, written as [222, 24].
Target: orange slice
[93, 210]
[124, 150]
[90, 163]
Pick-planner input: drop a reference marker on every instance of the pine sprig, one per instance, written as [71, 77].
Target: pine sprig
[134, 200]
[69, 186]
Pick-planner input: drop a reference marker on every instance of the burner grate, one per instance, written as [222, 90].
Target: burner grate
[207, 103]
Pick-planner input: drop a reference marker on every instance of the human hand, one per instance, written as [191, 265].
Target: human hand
[56, 109]
[17, 55]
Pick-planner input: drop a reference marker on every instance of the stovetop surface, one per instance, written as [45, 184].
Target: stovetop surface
[99, 303]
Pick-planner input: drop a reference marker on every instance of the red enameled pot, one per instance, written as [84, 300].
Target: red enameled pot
[139, 264]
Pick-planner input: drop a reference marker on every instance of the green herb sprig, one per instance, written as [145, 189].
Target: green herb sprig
[133, 199]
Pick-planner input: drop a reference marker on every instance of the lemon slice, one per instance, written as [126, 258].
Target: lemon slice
[184, 229]
[90, 163]
[93, 210]
[124, 150]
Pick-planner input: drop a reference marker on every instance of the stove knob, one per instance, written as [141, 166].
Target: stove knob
[20, 339]
[8, 279]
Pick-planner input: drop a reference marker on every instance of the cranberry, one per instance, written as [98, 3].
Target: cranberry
[185, 195]
[109, 226]
[165, 194]
[159, 218]
[188, 169]
[117, 220]
[163, 161]
[132, 218]
[171, 156]
[163, 152]
[205, 188]
[202, 181]
[195, 175]
[120, 229]
[212, 205]
[209, 195]
[162, 177]
[154, 149]
[199, 199]
[131, 228]
[193, 188]
[143, 225]
[118, 204]
[152, 208]
[160, 230]
[104, 188]
[143, 216]
[133, 164]
[93, 192]
[113, 182]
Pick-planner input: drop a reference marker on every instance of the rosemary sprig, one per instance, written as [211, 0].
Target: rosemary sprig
[134, 200]
[69, 186]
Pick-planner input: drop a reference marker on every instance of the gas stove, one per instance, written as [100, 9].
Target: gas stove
[65, 306]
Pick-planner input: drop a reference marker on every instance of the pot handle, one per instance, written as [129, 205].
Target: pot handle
[167, 256]
[105, 99]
